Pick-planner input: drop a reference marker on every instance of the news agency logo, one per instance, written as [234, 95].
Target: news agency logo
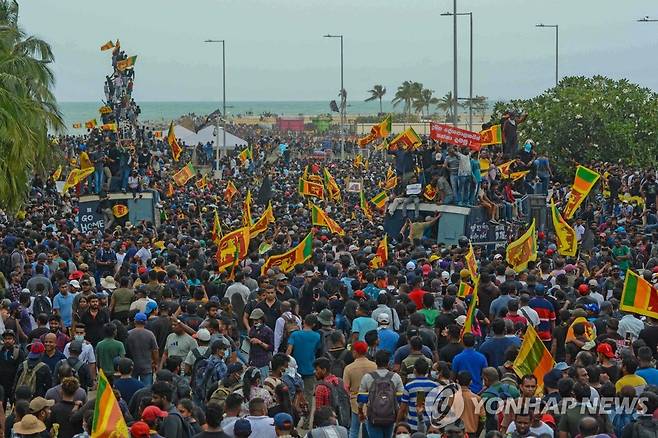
[444, 405]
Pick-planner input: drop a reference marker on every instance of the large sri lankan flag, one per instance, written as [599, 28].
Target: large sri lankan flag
[533, 358]
[567, 245]
[108, 419]
[639, 296]
[523, 249]
[583, 182]
[320, 218]
[288, 260]
[232, 244]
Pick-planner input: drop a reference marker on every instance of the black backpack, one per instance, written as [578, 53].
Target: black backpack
[339, 401]
[41, 305]
[188, 432]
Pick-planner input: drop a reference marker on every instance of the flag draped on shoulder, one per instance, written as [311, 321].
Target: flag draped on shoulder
[287, 261]
[184, 175]
[216, 233]
[232, 248]
[230, 191]
[492, 135]
[407, 140]
[170, 190]
[173, 143]
[76, 176]
[639, 296]
[261, 224]
[567, 245]
[108, 421]
[320, 218]
[365, 207]
[583, 182]
[381, 254]
[246, 210]
[533, 358]
[332, 187]
[523, 249]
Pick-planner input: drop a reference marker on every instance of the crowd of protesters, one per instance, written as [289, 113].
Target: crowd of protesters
[333, 348]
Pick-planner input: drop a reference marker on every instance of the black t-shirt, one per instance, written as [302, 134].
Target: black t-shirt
[161, 328]
[206, 434]
[560, 335]
[449, 351]
[94, 325]
[650, 335]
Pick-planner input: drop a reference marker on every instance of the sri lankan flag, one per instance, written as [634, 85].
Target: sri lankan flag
[332, 187]
[365, 207]
[582, 184]
[77, 125]
[470, 324]
[173, 143]
[107, 46]
[493, 135]
[246, 154]
[287, 261]
[505, 168]
[105, 109]
[108, 419]
[365, 140]
[112, 127]
[380, 200]
[216, 233]
[567, 245]
[523, 249]
[184, 175]
[57, 173]
[465, 290]
[229, 192]
[533, 358]
[261, 224]
[119, 210]
[126, 63]
[90, 124]
[201, 183]
[639, 296]
[408, 140]
[515, 176]
[383, 128]
[381, 255]
[232, 244]
[170, 190]
[471, 263]
[310, 188]
[320, 218]
[358, 161]
[76, 176]
[391, 179]
[430, 192]
[246, 210]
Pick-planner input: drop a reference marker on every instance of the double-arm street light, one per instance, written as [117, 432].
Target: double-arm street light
[343, 98]
[223, 42]
[556, 27]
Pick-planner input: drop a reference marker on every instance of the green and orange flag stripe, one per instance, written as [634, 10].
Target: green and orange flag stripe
[639, 296]
[583, 182]
[287, 261]
[533, 358]
[108, 419]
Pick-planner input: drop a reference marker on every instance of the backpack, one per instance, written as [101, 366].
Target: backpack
[339, 401]
[188, 432]
[211, 377]
[199, 370]
[41, 305]
[290, 325]
[338, 363]
[28, 376]
[382, 403]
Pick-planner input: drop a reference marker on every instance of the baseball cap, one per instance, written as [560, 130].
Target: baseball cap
[583, 289]
[461, 320]
[257, 314]
[446, 275]
[150, 413]
[36, 350]
[561, 366]
[75, 346]
[283, 421]
[411, 266]
[203, 335]
[464, 273]
[141, 317]
[383, 319]
[569, 268]
[605, 349]
[75, 284]
[139, 429]
[38, 403]
[497, 256]
[359, 294]
[242, 427]
[150, 307]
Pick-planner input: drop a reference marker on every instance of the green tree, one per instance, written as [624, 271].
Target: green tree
[586, 119]
[424, 100]
[481, 105]
[27, 107]
[445, 104]
[377, 92]
[407, 93]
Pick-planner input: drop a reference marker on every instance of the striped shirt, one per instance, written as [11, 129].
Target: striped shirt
[546, 312]
[419, 385]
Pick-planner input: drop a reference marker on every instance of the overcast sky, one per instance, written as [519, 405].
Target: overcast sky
[275, 49]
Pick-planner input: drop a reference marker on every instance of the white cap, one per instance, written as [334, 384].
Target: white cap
[411, 266]
[445, 274]
[353, 248]
[203, 335]
[461, 320]
[74, 284]
[383, 319]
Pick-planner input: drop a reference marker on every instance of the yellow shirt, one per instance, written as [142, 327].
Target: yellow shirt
[633, 380]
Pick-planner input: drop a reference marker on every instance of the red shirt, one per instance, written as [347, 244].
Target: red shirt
[416, 296]
[323, 393]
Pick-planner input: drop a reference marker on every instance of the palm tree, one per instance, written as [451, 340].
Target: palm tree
[446, 104]
[424, 100]
[377, 92]
[407, 93]
[28, 107]
[481, 106]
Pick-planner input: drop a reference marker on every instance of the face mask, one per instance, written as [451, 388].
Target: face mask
[433, 435]
[402, 435]
[79, 337]
[258, 325]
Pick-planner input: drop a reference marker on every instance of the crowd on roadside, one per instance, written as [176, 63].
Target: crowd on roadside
[334, 348]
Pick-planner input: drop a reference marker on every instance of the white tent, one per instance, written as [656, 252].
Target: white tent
[205, 135]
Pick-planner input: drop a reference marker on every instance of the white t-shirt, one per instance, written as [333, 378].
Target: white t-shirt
[542, 429]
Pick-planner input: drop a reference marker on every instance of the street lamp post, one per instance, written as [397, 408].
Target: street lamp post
[556, 27]
[223, 42]
[470, 87]
[343, 97]
[454, 62]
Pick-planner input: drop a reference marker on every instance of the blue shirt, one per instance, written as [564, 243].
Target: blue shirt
[304, 345]
[388, 339]
[371, 291]
[494, 349]
[64, 305]
[648, 374]
[362, 325]
[127, 387]
[410, 396]
[473, 362]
